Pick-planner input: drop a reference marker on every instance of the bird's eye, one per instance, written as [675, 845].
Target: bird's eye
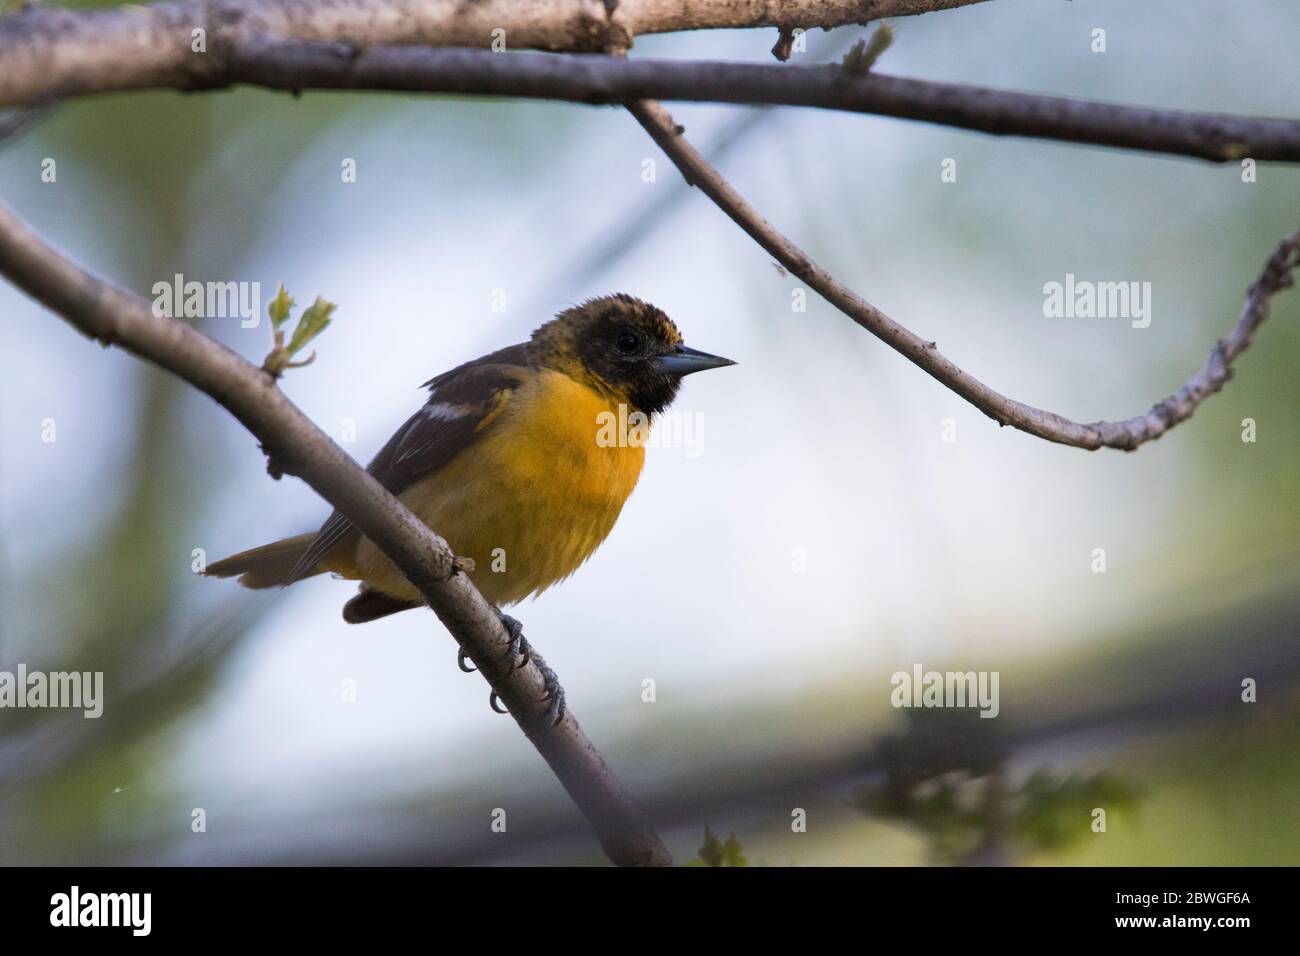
[628, 342]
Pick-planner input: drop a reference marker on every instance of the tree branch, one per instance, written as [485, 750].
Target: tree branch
[296, 65]
[55, 52]
[1126, 435]
[596, 79]
[114, 316]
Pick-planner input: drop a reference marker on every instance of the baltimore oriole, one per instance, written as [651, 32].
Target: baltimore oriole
[505, 463]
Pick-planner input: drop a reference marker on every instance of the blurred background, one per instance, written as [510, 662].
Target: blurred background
[821, 535]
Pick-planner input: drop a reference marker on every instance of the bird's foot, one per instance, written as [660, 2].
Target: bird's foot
[552, 692]
[518, 643]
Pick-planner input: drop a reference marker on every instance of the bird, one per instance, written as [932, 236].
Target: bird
[512, 460]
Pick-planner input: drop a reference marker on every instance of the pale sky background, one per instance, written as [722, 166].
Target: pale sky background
[821, 439]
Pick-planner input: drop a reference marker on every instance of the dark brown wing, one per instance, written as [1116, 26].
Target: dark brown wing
[461, 402]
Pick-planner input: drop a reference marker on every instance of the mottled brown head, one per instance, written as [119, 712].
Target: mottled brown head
[622, 346]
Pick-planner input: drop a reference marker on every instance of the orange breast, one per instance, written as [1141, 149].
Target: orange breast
[533, 497]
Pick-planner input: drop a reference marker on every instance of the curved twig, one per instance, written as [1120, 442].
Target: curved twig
[1126, 435]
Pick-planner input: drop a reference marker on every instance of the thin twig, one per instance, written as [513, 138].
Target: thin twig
[114, 316]
[1126, 435]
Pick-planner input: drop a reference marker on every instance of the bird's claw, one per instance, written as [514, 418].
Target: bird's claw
[553, 693]
[518, 643]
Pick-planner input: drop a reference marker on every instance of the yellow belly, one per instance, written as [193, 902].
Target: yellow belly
[530, 500]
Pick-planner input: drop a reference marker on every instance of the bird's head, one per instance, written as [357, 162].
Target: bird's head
[622, 346]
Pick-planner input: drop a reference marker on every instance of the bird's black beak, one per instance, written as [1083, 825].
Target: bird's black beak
[684, 361]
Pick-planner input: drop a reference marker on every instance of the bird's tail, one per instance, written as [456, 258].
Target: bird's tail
[269, 566]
